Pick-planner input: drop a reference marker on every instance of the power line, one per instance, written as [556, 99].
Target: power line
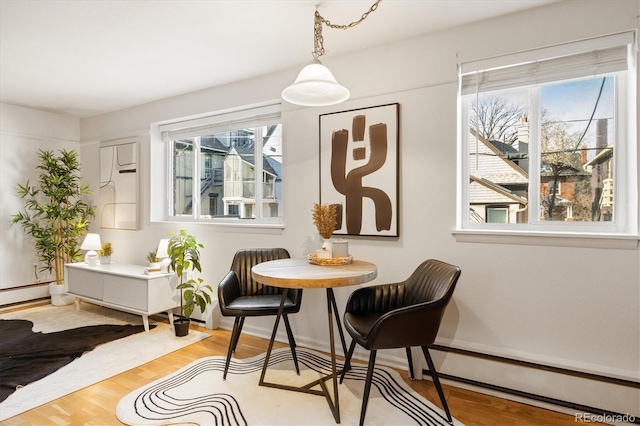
[595, 107]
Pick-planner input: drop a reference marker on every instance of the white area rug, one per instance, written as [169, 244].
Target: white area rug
[103, 362]
[197, 394]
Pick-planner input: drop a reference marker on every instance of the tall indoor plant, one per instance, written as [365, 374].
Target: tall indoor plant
[184, 252]
[55, 213]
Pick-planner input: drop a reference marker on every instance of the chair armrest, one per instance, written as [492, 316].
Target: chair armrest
[228, 290]
[415, 325]
[376, 298]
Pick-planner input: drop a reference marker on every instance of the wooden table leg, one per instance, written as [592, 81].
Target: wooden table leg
[145, 321]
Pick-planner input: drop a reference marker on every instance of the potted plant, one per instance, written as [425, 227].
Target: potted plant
[56, 215]
[153, 260]
[105, 253]
[184, 253]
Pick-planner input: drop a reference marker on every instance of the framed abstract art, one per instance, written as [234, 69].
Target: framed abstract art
[359, 169]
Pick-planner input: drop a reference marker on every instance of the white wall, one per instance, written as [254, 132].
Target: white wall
[22, 132]
[574, 307]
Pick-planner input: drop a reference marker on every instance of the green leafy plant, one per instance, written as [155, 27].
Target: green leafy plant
[152, 257]
[184, 252]
[55, 213]
[106, 250]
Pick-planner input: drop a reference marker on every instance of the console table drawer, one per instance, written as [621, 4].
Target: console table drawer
[84, 283]
[129, 292]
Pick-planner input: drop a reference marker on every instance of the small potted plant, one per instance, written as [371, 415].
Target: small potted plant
[152, 258]
[184, 252]
[105, 253]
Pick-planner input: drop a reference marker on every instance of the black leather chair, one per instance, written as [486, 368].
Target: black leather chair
[240, 296]
[401, 315]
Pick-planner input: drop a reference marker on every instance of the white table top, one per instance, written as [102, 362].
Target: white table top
[122, 269]
[299, 273]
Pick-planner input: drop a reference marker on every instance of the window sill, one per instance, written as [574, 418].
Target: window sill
[559, 239]
[231, 225]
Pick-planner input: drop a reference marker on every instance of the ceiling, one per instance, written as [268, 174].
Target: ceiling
[89, 57]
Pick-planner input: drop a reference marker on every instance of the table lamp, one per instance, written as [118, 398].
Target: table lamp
[162, 253]
[92, 243]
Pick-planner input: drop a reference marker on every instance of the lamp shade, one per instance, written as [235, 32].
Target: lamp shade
[163, 248]
[163, 253]
[315, 86]
[91, 242]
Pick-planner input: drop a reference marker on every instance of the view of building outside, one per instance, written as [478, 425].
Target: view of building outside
[574, 140]
[227, 174]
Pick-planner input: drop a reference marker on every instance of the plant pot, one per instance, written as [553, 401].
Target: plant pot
[181, 326]
[59, 296]
[105, 260]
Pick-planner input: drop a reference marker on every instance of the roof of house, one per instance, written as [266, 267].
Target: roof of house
[493, 177]
[248, 155]
[601, 157]
[214, 144]
[487, 161]
[483, 191]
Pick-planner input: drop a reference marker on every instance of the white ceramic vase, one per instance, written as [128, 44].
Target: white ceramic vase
[105, 260]
[59, 296]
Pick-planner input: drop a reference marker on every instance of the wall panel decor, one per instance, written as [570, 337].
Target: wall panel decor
[118, 207]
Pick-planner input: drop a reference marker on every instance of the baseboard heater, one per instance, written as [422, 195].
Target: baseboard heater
[532, 396]
[23, 293]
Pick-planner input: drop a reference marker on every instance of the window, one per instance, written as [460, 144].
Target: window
[224, 167]
[496, 214]
[545, 139]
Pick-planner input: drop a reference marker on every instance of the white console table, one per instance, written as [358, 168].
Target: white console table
[123, 287]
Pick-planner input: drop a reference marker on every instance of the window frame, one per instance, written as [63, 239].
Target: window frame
[625, 226]
[161, 185]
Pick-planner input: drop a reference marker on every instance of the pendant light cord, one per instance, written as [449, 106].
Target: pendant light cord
[318, 41]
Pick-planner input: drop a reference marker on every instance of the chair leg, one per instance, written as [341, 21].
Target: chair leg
[436, 381]
[347, 362]
[410, 359]
[292, 342]
[237, 335]
[232, 342]
[367, 385]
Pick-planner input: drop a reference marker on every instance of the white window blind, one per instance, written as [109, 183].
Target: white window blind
[569, 61]
[253, 117]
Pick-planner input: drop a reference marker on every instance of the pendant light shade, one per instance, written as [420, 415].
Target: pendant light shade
[315, 86]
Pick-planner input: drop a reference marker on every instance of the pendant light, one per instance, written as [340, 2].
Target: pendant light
[316, 85]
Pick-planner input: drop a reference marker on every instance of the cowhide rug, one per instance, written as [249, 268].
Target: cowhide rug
[27, 356]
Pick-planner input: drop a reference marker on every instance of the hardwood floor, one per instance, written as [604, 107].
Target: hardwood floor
[96, 404]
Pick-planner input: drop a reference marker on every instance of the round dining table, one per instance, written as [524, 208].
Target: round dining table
[300, 273]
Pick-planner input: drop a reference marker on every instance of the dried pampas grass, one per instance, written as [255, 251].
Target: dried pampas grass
[325, 219]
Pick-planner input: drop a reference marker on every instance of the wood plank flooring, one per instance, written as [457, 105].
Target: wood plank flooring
[96, 404]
